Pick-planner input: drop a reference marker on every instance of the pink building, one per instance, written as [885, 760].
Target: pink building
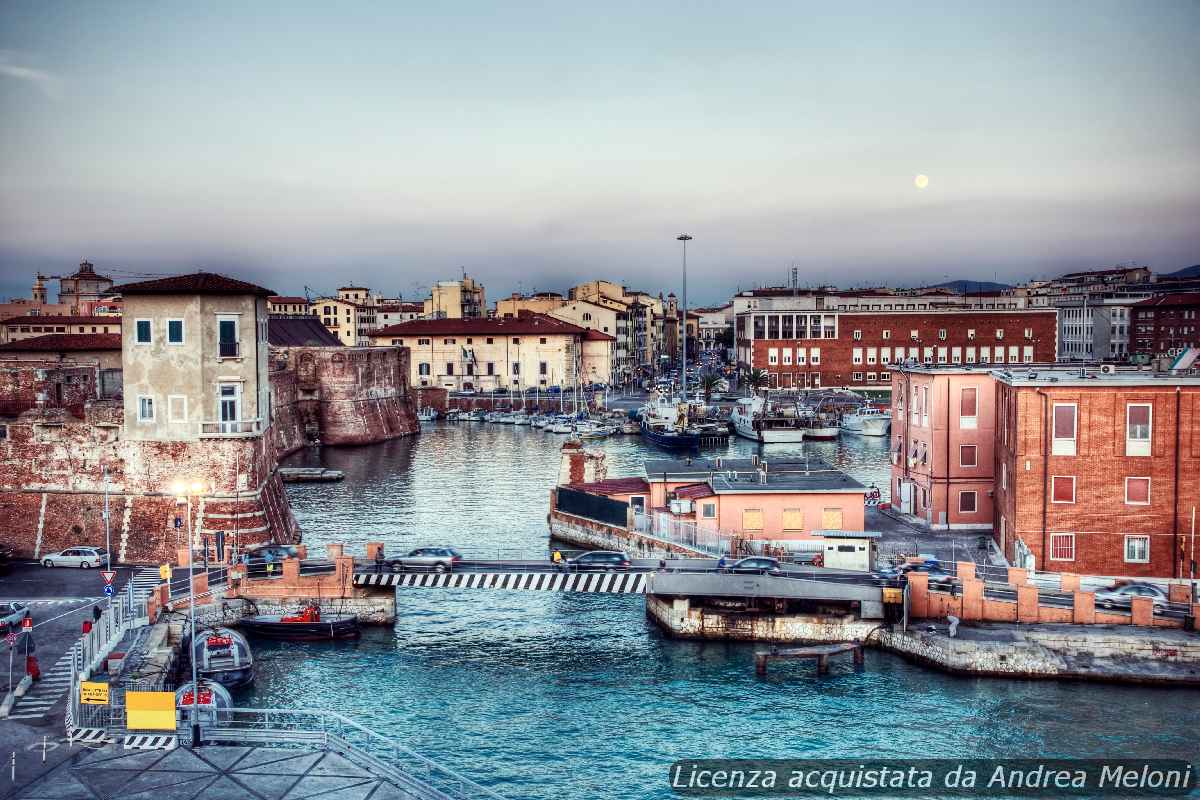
[943, 421]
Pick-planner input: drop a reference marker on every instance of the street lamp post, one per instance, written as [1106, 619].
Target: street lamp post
[683, 237]
[184, 491]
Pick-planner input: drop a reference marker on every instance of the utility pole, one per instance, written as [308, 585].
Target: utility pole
[107, 535]
[683, 237]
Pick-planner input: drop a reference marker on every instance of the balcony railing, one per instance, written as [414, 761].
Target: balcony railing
[231, 429]
[229, 349]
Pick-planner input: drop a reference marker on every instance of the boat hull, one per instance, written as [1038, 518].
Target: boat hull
[823, 434]
[671, 441]
[229, 678]
[343, 627]
[869, 426]
[781, 435]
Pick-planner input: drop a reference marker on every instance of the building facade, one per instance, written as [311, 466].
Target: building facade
[1097, 472]
[1166, 326]
[28, 327]
[84, 289]
[463, 299]
[536, 303]
[611, 319]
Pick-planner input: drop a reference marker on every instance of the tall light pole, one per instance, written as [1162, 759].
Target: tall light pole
[683, 237]
[185, 491]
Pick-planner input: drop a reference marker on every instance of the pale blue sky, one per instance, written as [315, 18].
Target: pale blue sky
[393, 143]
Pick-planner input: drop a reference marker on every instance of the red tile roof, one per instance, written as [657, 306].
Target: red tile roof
[613, 486]
[65, 342]
[594, 335]
[694, 491]
[1181, 299]
[51, 319]
[497, 326]
[278, 299]
[194, 283]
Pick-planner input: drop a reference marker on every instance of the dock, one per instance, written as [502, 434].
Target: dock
[821, 653]
[310, 475]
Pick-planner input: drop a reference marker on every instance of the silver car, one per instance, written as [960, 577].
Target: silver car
[11, 615]
[1122, 594]
[430, 559]
[82, 557]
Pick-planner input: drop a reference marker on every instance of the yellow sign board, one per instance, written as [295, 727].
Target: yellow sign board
[150, 711]
[893, 595]
[92, 693]
[164, 572]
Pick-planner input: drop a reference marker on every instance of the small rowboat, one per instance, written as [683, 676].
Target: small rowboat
[307, 626]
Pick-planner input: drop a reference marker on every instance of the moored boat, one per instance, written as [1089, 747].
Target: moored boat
[309, 625]
[868, 421]
[223, 655]
[753, 418]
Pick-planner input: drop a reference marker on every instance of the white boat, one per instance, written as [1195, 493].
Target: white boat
[586, 430]
[538, 421]
[473, 416]
[520, 419]
[561, 425]
[868, 421]
[427, 414]
[453, 415]
[753, 419]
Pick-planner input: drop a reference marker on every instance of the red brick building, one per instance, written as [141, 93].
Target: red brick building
[802, 344]
[1166, 325]
[1097, 473]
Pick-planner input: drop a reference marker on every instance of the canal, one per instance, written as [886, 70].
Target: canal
[575, 697]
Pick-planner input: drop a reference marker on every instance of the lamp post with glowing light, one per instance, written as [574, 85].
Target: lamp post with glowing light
[184, 492]
[683, 237]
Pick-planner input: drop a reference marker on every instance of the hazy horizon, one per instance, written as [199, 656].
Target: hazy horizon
[297, 144]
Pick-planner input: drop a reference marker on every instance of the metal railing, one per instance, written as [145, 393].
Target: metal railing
[664, 527]
[327, 730]
[233, 428]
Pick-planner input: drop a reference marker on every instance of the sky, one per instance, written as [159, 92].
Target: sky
[536, 145]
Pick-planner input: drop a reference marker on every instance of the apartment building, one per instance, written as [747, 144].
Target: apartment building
[27, 327]
[715, 327]
[943, 425]
[1165, 326]
[608, 318]
[536, 303]
[810, 340]
[1097, 470]
[645, 316]
[532, 351]
[351, 316]
[288, 305]
[462, 299]
[393, 312]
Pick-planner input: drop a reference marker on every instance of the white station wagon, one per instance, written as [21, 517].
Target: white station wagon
[83, 557]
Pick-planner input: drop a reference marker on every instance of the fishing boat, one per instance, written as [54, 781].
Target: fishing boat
[754, 418]
[223, 655]
[818, 425]
[630, 427]
[561, 425]
[520, 418]
[307, 626]
[868, 421]
[426, 414]
[473, 416]
[453, 415]
[590, 430]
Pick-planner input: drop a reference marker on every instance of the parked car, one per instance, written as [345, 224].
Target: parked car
[432, 559]
[756, 565]
[599, 561]
[82, 557]
[1122, 594]
[11, 615]
[278, 552]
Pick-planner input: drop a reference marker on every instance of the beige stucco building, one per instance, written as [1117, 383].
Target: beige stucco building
[194, 350]
[537, 303]
[462, 299]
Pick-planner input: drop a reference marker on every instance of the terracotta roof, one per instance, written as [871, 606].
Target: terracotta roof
[280, 299]
[193, 283]
[65, 342]
[299, 332]
[613, 486]
[498, 326]
[594, 335]
[1181, 299]
[51, 319]
[694, 491]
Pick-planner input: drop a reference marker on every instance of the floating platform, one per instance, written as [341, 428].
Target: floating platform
[310, 475]
[820, 653]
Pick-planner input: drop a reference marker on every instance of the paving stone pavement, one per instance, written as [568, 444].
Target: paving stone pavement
[227, 773]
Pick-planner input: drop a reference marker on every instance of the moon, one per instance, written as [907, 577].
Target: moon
[921, 181]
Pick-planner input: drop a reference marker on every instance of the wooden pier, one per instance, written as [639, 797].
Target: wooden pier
[821, 653]
[310, 474]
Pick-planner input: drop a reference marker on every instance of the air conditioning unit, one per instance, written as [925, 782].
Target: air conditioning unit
[1108, 369]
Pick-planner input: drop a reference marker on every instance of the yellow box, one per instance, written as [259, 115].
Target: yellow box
[893, 595]
[93, 693]
[164, 572]
[150, 711]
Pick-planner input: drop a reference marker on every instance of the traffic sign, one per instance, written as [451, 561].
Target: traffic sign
[27, 623]
[108, 590]
[108, 576]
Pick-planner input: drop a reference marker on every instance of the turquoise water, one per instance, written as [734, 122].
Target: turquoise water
[576, 697]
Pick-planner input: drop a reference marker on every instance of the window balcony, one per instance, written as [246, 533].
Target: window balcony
[229, 349]
[239, 429]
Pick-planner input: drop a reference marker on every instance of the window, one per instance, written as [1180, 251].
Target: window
[422, 341]
[787, 356]
[3, 432]
[887, 334]
[174, 331]
[870, 376]
[491, 368]
[831, 519]
[1137, 549]
[176, 408]
[1000, 335]
[942, 334]
[1029, 333]
[914, 335]
[516, 368]
[1004, 475]
[1064, 427]
[857, 335]
[814, 356]
[142, 332]
[885, 376]
[1137, 491]
[968, 455]
[227, 337]
[857, 376]
[1062, 547]
[708, 511]
[967, 502]
[793, 520]
[448, 341]
[1062, 489]
[542, 340]
[423, 368]
[587, 316]
[543, 368]
[1137, 429]
[638, 503]
[752, 519]
[145, 409]
[857, 356]
[968, 408]
[872, 355]
[971, 334]
[491, 340]
[449, 368]
[773, 355]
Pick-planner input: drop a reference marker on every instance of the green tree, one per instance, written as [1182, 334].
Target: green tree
[709, 383]
[757, 379]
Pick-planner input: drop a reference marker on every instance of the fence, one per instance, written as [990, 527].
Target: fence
[91, 648]
[590, 506]
[664, 527]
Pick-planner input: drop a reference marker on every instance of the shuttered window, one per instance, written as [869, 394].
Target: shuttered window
[793, 520]
[752, 519]
[831, 519]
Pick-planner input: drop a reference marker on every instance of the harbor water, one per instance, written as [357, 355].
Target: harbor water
[562, 697]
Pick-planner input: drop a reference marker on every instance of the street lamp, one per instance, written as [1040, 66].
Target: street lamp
[184, 491]
[683, 237]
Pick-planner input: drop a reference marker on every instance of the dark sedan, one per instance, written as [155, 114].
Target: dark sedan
[756, 565]
[599, 561]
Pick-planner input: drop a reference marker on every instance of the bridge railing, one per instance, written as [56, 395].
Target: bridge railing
[417, 775]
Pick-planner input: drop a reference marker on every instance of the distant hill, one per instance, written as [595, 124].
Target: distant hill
[1186, 272]
[972, 286]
